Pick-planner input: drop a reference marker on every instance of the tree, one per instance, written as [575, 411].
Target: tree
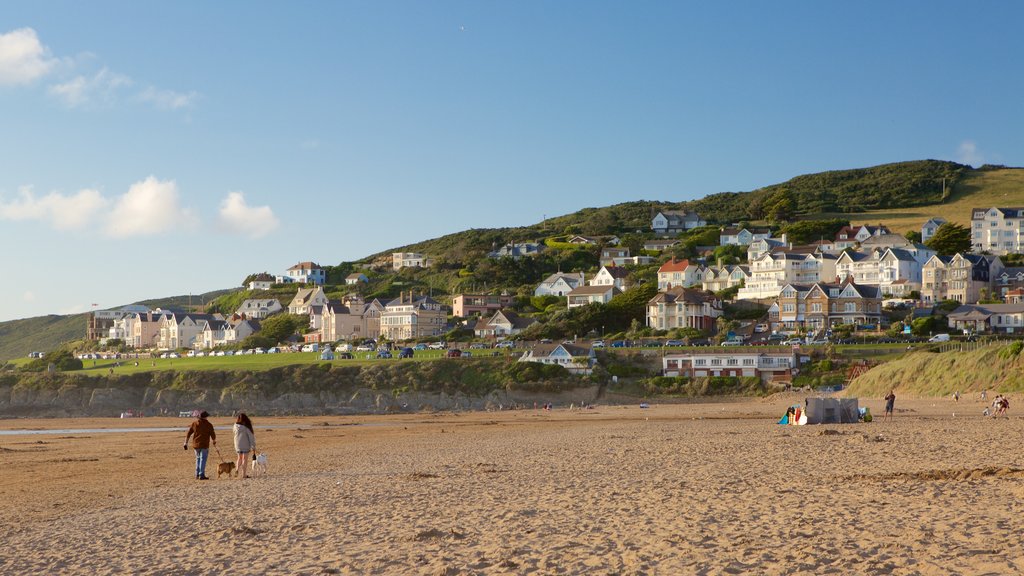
[913, 236]
[950, 238]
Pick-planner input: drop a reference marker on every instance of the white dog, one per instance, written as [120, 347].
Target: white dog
[259, 464]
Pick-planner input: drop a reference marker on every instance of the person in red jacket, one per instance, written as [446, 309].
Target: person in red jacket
[201, 432]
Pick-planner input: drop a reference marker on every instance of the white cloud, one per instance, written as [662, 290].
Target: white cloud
[29, 296]
[968, 153]
[101, 88]
[72, 212]
[150, 207]
[168, 99]
[253, 221]
[23, 58]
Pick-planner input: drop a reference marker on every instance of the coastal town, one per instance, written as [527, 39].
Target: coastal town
[864, 280]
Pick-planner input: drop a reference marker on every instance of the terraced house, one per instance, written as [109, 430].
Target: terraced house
[821, 305]
[767, 364]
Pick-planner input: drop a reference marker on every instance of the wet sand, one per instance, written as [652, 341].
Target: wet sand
[715, 488]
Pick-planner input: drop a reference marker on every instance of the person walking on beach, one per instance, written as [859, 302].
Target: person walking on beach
[245, 442]
[890, 400]
[202, 433]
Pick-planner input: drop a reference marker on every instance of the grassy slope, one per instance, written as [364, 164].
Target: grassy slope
[977, 189]
[930, 374]
[42, 333]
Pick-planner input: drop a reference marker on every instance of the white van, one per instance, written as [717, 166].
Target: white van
[939, 338]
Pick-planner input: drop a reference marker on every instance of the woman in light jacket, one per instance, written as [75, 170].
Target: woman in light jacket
[245, 442]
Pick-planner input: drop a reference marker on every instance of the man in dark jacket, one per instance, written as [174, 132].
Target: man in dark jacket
[201, 432]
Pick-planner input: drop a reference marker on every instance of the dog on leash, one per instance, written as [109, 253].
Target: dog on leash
[225, 468]
[259, 464]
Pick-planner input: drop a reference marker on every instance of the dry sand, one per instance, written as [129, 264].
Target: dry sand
[713, 488]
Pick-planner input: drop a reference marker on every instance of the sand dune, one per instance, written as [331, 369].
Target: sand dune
[687, 489]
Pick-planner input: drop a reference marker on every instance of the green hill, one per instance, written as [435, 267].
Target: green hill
[902, 195]
[995, 367]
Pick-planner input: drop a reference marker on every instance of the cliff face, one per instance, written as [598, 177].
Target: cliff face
[293, 390]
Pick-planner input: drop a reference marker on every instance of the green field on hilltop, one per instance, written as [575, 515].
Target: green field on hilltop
[976, 189]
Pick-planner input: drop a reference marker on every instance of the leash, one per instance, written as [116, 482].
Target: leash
[222, 460]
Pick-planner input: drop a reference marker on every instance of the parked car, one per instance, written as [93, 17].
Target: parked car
[453, 353]
[506, 344]
[273, 350]
[619, 344]
[597, 344]
[437, 346]
[365, 348]
[792, 342]
[343, 356]
[383, 354]
[406, 353]
[733, 343]
[259, 351]
[939, 338]
[311, 348]
[761, 328]
[420, 346]
[674, 343]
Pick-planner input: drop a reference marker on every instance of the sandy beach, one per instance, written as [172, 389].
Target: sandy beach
[713, 488]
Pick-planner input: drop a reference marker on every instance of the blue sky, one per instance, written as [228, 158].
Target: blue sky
[156, 149]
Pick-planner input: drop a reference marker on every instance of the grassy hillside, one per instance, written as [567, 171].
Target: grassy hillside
[975, 189]
[42, 333]
[941, 374]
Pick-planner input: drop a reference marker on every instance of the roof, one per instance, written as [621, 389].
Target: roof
[674, 265]
[544, 350]
[306, 266]
[979, 213]
[355, 275]
[616, 271]
[574, 277]
[985, 310]
[677, 294]
[585, 290]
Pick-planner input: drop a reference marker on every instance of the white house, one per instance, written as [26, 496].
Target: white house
[761, 246]
[766, 364]
[610, 276]
[584, 295]
[683, 308]
[261, 281]
[574, 358]
[401, 260]
[724, 277]
[849, 236]
[997, 230]
[307, 273]
[773, 270]
[559, 284]
[893, 270]
[501, 325]
[356, 278]
[679, 273]
[517, 250]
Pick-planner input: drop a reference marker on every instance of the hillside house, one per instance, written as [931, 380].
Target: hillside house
[929, 228]
[305, 298]
[610, 276]
[683, 308]
[681, 273]
[893, 270]
[517, 250]
[821, 305]
[261, 281]
[356, 278]
[584, 295]
[466, 305]
[675, 221]
[307, 273]
[259, 308]
[501, 325]
[180, 330]
[850, 236]
[997, 230]
[733, 236]
[559, 284]
[988, 318]
[401, 260]
[774, 270]
[962, 277]
[658, 245]
[718, 278]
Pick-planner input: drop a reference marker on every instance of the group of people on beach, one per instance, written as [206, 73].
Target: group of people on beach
[202, 434]
[999, 407]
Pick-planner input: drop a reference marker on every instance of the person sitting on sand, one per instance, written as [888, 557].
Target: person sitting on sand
[890, 400]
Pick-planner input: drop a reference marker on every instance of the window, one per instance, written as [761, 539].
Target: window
[716, 361]
[732, 362]
[700, 362]
[748, 361]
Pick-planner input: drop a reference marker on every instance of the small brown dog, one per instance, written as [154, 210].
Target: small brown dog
[225, 468]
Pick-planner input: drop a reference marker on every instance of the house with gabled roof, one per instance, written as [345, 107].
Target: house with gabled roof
[679, 273]
[517, 250]
[466, 305]
[962, 277]
[1008, 280]
[344, 320]
[773, 270]
[595, 240]
[718, 278]
[306, 298]
[261, 281]
[736, 236]
[259, 308]
[894, 270]
[988, 318]
[660, 245]
[683, 308]
[676, 221]
[559, 284]
[849, 236]
[179, 330]
[356, 278]
[761, 246]
[576, 358]
[610, 276]
[821, 304]
[584, 295]
[929, 228]
[401, 260]
[502, 324]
